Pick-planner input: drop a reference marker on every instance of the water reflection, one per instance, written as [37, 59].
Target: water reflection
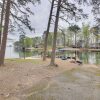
[11, 52]
[86, 57]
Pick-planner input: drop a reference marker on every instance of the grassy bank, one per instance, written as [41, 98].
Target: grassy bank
[34, 61]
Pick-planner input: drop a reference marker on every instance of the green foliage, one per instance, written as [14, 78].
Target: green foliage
[86, 34]
[37, 41]
[86, 31]
[50, 38]
[28, 42]
[96, 31]
[69, 37]
[49, 54]
[16, 43]
[74, 28]
[25, 41]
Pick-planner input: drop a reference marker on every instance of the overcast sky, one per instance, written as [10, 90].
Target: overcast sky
[40, 19]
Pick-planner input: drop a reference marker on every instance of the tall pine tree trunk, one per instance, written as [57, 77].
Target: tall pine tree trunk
[1, 20]
[5, 32]
[52, 63]
[64, 39]
[47, 32]
[75, 46]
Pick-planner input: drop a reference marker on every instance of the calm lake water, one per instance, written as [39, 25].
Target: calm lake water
[86, 57]
[12, 53]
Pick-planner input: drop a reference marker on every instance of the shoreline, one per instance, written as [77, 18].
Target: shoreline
[77, 49]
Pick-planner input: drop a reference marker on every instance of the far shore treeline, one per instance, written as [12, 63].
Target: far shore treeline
[85, 37]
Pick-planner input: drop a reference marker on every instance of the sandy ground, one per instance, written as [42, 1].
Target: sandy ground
[18, 77]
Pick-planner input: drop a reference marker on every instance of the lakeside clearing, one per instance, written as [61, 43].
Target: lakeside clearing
[35, 80]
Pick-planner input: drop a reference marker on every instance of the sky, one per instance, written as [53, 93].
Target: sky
[41, 15]
[40, 19]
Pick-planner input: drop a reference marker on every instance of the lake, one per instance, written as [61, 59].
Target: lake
[86, 57]
[11, 52]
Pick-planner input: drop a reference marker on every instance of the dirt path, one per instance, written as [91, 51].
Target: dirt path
[76, 84]
[18, 76]
[19, 80]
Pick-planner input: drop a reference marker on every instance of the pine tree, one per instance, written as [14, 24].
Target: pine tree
[52, 63]
[1, 20]
[5, 32]
[47, 32]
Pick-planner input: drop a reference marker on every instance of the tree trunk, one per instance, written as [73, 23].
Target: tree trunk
[52, 63]
[64, 39]
[1, 20]
[47, 32]
[97, 43]
[75, 46]
[5, 32]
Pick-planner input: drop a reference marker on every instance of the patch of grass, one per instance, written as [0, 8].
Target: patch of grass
[35, 97]
[98, 73]
[98, 85]
[41, 97]
[34, 61]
